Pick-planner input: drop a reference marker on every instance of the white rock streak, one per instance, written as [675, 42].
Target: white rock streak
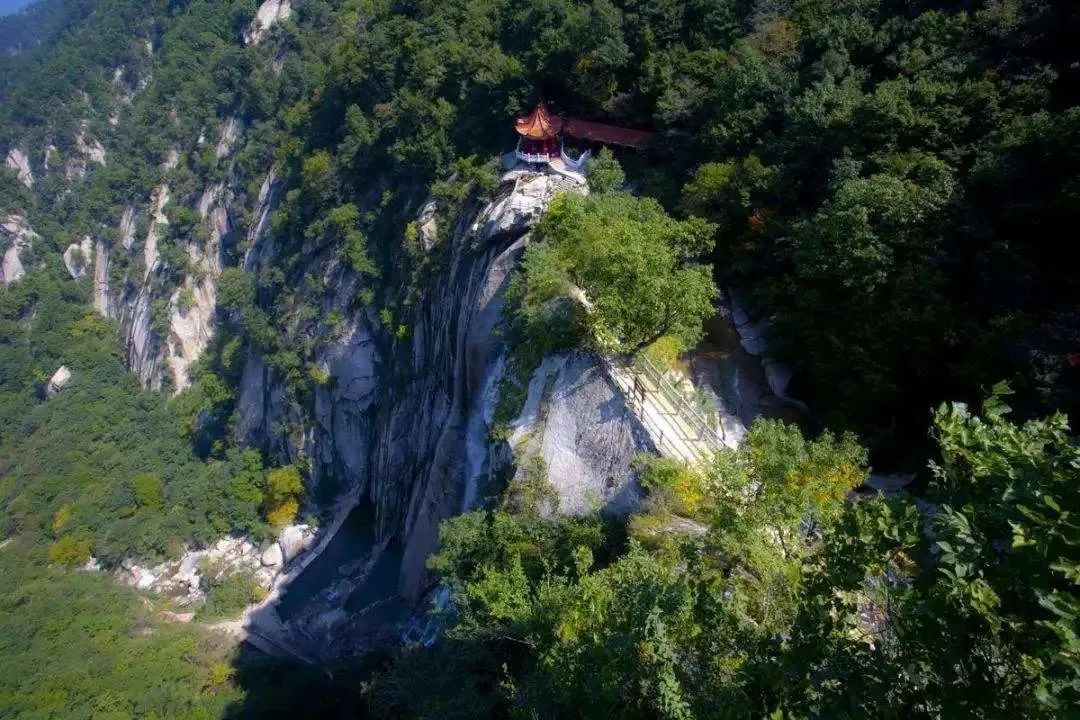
[20, 163]
[15, 235]
[270, 14]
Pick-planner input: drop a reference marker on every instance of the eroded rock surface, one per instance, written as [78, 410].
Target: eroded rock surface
[270, 13]
[185, 580]
[18, 161]
[15, 236]
[77, 258]
[191, 323]
[91, 148]
[579, 424]
[58, 381]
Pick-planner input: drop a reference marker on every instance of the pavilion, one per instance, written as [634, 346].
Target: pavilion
[542, 135]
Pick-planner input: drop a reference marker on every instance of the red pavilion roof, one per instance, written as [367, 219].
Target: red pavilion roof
[539, 124]
[608, 134]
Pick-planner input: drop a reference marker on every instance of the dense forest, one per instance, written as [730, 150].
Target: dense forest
[892, 183]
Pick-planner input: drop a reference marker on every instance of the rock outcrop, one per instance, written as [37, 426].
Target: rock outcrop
[577, 422]
[259, 248]
[58, 381]
[91, 149]
[134, 307]
[400, 419]
[191, 323]
[754, 338]
[185, 580]
[432, 427]
[100, 298]
[406, 421]
[77, 258]
[158, 221]
[15, 236]
[270, 13]
[18, 161]
[126, 232]
[229, 132]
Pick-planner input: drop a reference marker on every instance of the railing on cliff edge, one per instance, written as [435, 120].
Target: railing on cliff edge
[691, 415]
[702, 441]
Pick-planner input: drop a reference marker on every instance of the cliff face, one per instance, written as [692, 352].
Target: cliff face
[400, 419]
[406, 422]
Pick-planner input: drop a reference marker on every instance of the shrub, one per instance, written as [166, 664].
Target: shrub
[70, 551]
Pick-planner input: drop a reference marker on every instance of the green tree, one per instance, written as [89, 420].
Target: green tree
[605, 174]
[70, 551]
[619, 258]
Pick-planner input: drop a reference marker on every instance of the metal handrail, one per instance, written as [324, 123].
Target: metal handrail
[689, 412]
[655, 431]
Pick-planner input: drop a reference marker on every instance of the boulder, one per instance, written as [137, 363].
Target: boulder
[428, 225]
[778, 375]
[15, 236]
[578, 423]
[58, 381]
[754, 346]
[293, 541]
[77, 258]
[272, 556]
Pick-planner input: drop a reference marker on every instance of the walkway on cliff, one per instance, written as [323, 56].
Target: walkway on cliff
[676, 428]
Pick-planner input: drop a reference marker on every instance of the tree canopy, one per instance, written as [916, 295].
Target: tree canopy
[628, 267]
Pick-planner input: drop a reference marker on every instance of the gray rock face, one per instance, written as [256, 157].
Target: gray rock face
[405, 421]
[579, 424]
[270, 13]
[18, 161]
[143, 347]
[425, 455]
[91, 149]
[342, 411]
[132, 306]
[294, 540]
[519, 211]
[126, 231]
[15, 236]
[261, 403]
[58, 381]
[192, 325]
[229, 132]
[260, 249]
[100, 298]
[78, 257]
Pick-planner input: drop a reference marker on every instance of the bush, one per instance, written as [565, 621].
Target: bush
[70, 551]
[529, 492]
[604, 173]
[230, 595]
